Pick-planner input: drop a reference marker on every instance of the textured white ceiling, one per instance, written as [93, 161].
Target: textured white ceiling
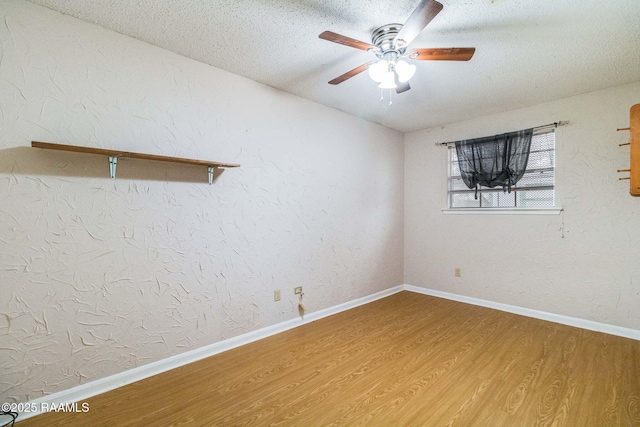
[528, 51]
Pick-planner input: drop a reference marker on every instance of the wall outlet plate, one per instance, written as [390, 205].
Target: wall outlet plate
[276, 295]
[297, 290]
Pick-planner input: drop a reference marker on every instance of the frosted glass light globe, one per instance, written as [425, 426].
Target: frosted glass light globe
[405, 71]
[378, 70]
[388, 82]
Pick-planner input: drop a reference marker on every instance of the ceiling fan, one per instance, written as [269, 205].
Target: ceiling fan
[389, 44]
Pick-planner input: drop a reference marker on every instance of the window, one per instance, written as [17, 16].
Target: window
[534, 190]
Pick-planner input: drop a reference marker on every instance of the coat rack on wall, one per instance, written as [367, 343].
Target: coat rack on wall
[634, 149]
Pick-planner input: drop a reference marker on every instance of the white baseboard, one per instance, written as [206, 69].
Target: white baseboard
[85, 391]
[543, 315]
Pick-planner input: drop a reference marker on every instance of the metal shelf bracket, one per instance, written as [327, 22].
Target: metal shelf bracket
[113, 162]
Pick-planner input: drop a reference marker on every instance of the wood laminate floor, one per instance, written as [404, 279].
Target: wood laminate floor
[405, 360]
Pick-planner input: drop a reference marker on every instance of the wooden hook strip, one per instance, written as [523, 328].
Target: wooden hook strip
[619, 129]
[624, 170]
[622, 179]
[626, 143]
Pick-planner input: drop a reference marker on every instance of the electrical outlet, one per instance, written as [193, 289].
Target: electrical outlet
[458, 272]
[276, 295]
[297, 290]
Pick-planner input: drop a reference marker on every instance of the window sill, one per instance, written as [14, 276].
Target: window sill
[502, 211]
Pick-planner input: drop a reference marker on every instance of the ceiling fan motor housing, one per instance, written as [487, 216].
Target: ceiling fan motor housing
[383, 37]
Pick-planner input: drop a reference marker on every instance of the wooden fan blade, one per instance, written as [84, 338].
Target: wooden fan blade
[421, 16]
[443, 54]
[346, 41]
[349, 74]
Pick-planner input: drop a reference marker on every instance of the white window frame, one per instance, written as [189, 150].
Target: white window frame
[550, 210]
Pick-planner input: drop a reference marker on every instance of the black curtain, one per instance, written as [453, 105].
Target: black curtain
[492, 161]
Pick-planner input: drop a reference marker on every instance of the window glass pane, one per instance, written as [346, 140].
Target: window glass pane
[457, 184]
[496, 198]
[507, 200]
[464, 200]
[545, 141]
[455, 169]
[488, 199]
[540, 160]
[535, 198]
[536, 179]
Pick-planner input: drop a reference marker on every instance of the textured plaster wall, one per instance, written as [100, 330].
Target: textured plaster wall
[98, 276]
[591, 273]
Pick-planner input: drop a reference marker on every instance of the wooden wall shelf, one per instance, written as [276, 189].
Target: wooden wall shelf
[115, 154]
[634, 143]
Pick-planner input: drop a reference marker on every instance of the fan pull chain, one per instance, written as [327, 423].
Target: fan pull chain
[382, 96]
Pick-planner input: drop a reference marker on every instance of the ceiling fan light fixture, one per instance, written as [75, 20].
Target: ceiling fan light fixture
[388, 82]
[378, 71]
[405, 71]
[389, 44]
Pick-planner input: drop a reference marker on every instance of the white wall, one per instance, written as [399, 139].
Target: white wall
[592, 273]
[98, 276]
